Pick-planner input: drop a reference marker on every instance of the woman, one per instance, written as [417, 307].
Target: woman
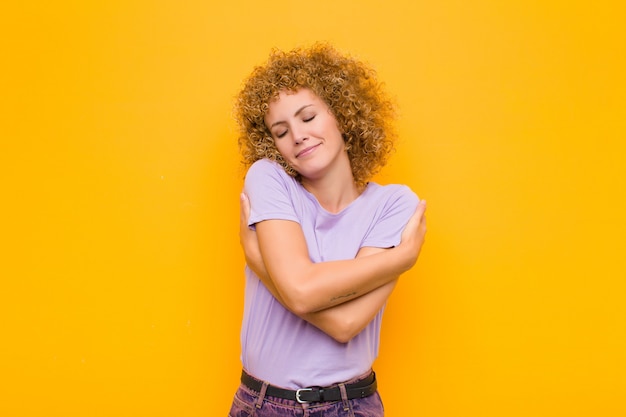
[324, 247]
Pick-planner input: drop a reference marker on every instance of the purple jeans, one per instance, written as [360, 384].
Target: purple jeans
[248, 403]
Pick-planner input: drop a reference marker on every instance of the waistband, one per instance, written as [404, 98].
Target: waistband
[359, 389]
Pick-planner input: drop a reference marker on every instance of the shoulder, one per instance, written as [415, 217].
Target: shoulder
[264, 167]
[392, 194]
[273, 194]
[391, 206]
[265, 171]
[270, 188]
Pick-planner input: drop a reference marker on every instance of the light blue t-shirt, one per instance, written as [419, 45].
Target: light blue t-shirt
[278, 346]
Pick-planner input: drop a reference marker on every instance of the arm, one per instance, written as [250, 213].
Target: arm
[317, 286]
[343, 321]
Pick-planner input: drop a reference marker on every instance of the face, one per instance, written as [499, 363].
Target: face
[306, 133]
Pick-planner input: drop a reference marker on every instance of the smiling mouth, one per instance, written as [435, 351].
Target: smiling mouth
[306, 151]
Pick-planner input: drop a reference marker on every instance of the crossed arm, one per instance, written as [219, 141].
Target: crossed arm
[338, 297]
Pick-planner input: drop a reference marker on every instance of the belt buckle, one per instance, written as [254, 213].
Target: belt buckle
[298, 399]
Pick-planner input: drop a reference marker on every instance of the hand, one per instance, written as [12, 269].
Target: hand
[247, 236]
[414, 233]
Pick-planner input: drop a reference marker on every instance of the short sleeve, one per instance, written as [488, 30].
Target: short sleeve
[269, 189]
[397, 210]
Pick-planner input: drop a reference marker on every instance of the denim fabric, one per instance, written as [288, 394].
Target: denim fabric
[248, 403]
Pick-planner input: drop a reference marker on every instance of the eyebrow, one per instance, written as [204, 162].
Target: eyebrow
[295, 114]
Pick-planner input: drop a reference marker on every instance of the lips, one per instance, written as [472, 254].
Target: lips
[306, 151]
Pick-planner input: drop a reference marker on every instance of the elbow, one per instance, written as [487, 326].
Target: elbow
[345, 330]
[299, 306]
[299, 301]
[343, 338]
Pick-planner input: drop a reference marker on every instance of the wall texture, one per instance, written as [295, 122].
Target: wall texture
[121, 269]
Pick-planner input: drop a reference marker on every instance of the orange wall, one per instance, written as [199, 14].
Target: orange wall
[121, 270]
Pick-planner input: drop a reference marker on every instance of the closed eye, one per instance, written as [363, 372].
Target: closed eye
[281, 134]
[308, 119]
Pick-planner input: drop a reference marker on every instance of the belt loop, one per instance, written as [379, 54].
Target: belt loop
[344, 397]
[259, 401]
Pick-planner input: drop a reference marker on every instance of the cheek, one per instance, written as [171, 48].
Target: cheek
[281, 147]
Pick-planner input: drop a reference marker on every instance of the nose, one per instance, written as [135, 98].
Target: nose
[299, 135]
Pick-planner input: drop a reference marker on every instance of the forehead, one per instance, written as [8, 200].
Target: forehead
[287, 98]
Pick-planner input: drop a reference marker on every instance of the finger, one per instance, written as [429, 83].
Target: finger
[244, 205]
[418, 214]
[421, 208]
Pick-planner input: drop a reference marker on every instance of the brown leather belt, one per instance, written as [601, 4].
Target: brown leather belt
[359, 389]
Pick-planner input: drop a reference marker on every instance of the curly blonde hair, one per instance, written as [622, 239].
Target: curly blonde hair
[349, 87]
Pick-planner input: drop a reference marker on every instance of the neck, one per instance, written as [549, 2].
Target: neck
[334, 194]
